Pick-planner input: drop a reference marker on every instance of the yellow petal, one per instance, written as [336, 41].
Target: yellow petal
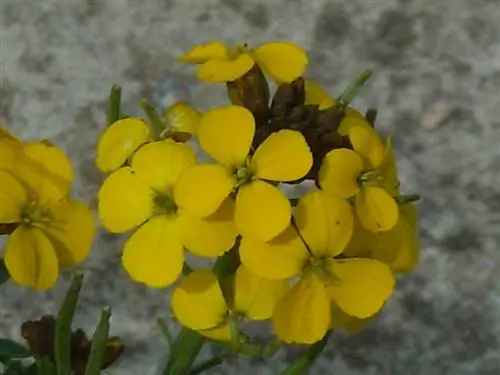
[353, 112]
[303, 314]
[362, 241]
[282, 61]
[339, 173]
[120, 141]
[226, 134]
[201, 189]
[262, 211]
[183, 118]
[281, 258]
[204, 52]
[255, 296]
[160, 164]
[71, 230]
[364, 139]
[325, 223]
[363, 287]
[154, 255]
[220, 333]
[409, 254]
[198, 302]
[31, 259]
[388, 171]
[376, 209]
[46, 170]
[124, 201]
[224, 70]
[283, 156]
[315, 94]
[212, 236]
[10, 145]
[13, 198]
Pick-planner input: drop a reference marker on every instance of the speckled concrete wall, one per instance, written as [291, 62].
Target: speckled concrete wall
[437, 74]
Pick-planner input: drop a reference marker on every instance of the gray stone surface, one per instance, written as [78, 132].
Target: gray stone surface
[436, 85]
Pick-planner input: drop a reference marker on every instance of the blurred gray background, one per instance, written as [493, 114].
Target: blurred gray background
[436, 85]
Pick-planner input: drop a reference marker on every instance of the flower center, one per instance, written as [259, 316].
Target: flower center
[317, 266]
[237, 51]
[243, 174]
[164, 204]
[32, 214]
[369, 178]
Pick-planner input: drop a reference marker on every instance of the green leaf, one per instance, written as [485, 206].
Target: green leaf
[155, 121]
[11, 349]
[208, 364]
[371, 115]
[114, 105]
[353, 90]
[44, 366]
[99, 341]
[4, 274]
[63, 326]
[184, 351]
[30, 370]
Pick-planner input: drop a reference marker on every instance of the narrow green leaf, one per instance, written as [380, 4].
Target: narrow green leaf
[4, 274]
[64, 319]
[11, 349]
[98, 346]
[155, 121]
[371, 115]
[185, 349]
[307, 359]
[114, 105]
[354, 89]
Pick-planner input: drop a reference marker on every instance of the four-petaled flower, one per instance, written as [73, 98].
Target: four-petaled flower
[308, 250]
[52, 231]
[365, 173]
[282, 61]
[140, 195]
[262, 210]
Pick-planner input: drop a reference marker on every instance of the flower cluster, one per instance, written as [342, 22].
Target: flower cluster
[324, 261]
[48, 230]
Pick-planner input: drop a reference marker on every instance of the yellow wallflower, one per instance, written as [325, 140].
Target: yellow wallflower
[315, 94]
[359, 286]
[226, 134]
[119, 141]
[358, 173]
[53, 231]
[140, 195]
[198, 302]
[282, 61]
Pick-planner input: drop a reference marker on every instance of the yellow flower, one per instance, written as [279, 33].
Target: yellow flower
[53, 232]
[198, 302]
[119, 141]
[141, 196]
[282, 61]
[358, 173]
[226, 134]
[359, 286]
[315, 94]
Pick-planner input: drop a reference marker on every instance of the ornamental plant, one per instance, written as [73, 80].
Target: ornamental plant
[311, 265]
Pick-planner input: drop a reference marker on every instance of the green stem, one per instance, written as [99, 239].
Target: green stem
[155, 121]
[114, 105]
[308, 358]
[62, 344]
[212, 362]
[99, 341]
[354, 89]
